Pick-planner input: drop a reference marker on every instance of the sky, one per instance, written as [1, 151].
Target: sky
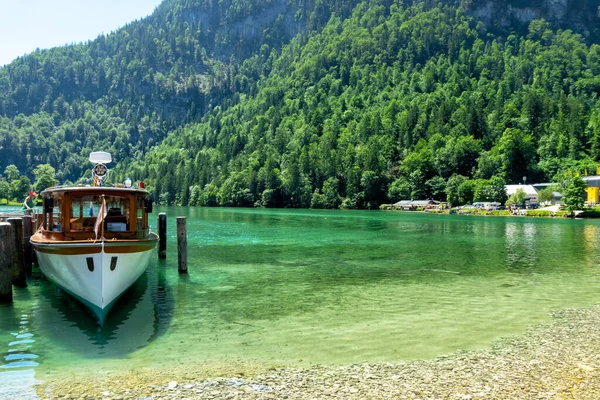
[26, 25]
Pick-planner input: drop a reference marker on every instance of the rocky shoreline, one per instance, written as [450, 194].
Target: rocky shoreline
[557, 360]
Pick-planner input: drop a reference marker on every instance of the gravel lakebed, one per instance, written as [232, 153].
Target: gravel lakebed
[556, 360]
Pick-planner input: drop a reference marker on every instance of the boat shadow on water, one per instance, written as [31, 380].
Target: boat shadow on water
[140, 316]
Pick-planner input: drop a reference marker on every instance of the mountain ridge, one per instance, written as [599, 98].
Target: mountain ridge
[135, 103]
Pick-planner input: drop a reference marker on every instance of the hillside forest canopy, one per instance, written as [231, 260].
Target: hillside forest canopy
[381, 101]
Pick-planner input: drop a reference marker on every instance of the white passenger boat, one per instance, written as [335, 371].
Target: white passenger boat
[95, 241]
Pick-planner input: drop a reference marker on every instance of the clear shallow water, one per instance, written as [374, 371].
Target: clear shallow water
[298, 286]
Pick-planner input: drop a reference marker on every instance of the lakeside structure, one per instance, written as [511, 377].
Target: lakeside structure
[592, 196]
[593, 188]
[412, 205]
[531, 191]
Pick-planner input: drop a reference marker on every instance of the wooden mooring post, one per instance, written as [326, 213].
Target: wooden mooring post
[6, 262]
[19, 277]
[28, 229]
[181, 245]
[162, 235]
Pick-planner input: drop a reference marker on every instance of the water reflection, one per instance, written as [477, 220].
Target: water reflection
[521, 249]
[591, 243]
[63, 331]
[162, 298]
[130, 325]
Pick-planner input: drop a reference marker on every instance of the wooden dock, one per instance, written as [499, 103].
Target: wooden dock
[17, 256]
[16, 252]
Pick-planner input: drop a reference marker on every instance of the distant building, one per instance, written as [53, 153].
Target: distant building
[592, 191]
[411, 205]
[542, 186]
[531, 194]
[593, 183]
[402, 203]
[531, 191]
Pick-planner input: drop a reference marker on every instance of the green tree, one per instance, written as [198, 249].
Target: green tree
[44, 177]
[372, 187]
[270, 198]
[233, 193]
[436, 188]
[546, 195]
[487, 165]
[12, 173]
[493, 189]
[466, 192]
[4, 190]
[400, 189]
[452, 192]
[208, 196]
[21, 187]
[195, 195]
[296, 186]
[317, 200]
[573, 195]
[517, 154]
[517, 198]
[332, 198]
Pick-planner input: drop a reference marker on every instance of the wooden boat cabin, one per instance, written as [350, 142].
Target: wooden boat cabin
[71, 213]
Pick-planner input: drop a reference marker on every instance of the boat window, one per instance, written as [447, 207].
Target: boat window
[85, 210]
[140, 213]
[118, 214]
[56, 220]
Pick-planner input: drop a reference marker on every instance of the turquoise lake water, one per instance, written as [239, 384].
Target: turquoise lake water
[297, 287]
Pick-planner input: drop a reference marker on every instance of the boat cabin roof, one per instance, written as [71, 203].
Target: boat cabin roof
[114, 191]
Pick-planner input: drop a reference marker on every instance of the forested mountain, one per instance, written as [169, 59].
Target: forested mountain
[392, 101]
[304, 103]
[126, 91]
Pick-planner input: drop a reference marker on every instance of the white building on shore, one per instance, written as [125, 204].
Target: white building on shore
[531, 194]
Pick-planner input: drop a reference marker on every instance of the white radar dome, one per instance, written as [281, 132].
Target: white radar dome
[100, 157]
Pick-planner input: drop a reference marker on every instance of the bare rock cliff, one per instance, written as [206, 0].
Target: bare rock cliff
[581, 16]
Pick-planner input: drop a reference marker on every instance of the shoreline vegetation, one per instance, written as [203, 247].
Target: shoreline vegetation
[555, 360]
[549, 213]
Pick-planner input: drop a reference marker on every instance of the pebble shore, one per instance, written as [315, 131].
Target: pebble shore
[557, 360]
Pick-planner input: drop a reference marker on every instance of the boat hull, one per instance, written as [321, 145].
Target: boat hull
[95, 273]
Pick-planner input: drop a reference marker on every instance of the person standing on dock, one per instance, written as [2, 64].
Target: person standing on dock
[28, 203]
